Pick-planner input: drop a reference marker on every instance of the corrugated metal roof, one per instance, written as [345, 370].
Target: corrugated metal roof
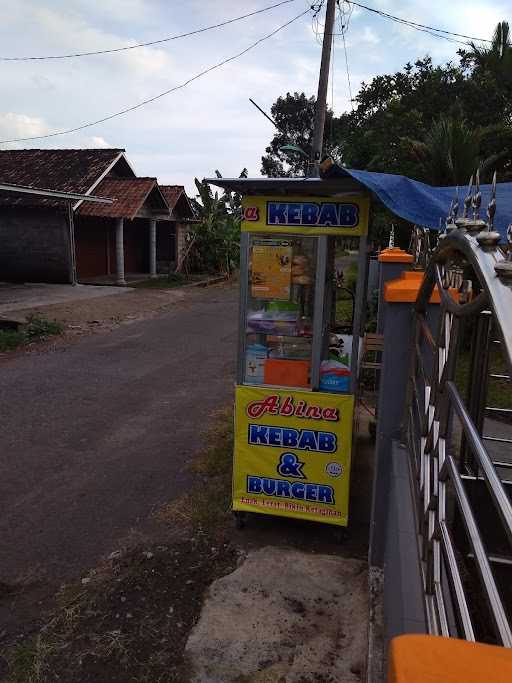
[129, 195]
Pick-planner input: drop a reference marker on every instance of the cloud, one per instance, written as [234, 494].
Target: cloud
[209, 124]
[14, 125]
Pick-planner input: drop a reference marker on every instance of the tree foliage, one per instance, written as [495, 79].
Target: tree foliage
[432, 123]
[214, 241]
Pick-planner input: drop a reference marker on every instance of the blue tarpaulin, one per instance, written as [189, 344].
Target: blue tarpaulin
[426, 205]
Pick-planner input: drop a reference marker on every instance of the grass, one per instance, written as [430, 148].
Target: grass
[37, 328]
[210, 504]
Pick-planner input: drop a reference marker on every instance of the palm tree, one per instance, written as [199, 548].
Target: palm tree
[497, 58]
[452, 150]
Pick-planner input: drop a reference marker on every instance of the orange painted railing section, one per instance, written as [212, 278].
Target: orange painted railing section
[405, 289]
[432, 659]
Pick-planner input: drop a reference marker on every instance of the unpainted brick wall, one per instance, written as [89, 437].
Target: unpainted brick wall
[34, 245]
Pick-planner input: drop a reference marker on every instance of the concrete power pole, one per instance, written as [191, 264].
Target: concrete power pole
[323, 82]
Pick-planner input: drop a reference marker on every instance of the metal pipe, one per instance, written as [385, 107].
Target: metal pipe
[495, 604]
[498, 493]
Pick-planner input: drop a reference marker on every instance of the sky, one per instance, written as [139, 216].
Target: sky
[210, 124]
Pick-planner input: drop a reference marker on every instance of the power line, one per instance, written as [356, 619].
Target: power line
[152, 42]
[421, 27]
[344, 29]
[162, 94]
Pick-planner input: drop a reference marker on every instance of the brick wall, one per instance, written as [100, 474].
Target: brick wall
[34, 245]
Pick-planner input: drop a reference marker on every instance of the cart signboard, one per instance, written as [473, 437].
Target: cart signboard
[292, 453]
[345, 215]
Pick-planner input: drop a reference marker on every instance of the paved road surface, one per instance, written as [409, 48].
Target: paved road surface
[96, 435]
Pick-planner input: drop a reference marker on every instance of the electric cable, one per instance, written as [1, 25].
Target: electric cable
[152, 42]
[344, 29]
[421, 27]
[162, 94]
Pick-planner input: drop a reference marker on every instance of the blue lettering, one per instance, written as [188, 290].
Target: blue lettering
[269, 487]
[298, 490]
[258, 434]
[311, 491]
[327, 442]
[253, 485]
[274, 434]
[294, 214]
[281, 488]
[300, 439]
[326, 494]
[328, 215]
[277, 213]
[309, 214]
[307, 441]
[290, 438]
[348, 215]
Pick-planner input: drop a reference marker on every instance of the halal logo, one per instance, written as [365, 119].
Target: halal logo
[251, 213]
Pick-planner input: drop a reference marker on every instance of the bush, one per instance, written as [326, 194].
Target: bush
[37, 328]
[40, 328]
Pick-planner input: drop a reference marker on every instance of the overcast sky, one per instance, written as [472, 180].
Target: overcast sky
[210, 124]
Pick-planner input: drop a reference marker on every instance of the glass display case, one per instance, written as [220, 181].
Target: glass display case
[290, 333]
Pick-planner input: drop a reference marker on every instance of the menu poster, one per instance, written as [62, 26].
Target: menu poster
[271, 269]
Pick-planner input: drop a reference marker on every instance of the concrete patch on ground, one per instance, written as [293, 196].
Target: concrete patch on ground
[19, 297]
[283, 617]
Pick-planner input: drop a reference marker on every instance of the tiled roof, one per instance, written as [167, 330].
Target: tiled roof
[65, 170]
[129, 194]
[172, 194]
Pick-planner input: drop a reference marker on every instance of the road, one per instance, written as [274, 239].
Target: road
[98, 434]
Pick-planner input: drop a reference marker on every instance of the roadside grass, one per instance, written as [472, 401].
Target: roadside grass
[208, 508]
[37, 328]
[130, 617]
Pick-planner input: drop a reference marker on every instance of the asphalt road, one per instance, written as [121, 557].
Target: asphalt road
[97, 435]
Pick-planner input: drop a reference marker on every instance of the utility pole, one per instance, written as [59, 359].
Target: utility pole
[323, 82]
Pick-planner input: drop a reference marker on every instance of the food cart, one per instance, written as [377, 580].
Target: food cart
[297, 372]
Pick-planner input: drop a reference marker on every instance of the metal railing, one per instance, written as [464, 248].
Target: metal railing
[460, 444]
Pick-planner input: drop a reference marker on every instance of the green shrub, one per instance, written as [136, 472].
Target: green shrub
[10, 339]
[37, 328]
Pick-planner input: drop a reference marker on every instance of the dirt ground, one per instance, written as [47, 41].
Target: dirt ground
[129, 619]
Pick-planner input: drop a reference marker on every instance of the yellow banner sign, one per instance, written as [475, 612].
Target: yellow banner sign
[292, 453]
[346, 215]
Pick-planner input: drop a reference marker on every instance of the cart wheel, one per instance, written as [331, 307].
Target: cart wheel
[240, 520]
[340, 535]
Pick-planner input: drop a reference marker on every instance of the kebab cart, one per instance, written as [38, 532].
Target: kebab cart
[297, 372]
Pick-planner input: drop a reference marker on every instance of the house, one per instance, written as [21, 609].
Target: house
[45, 240]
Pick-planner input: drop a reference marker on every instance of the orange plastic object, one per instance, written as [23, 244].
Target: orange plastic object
[405, 289]
[433, 659]
[395, 255]
[286, 373]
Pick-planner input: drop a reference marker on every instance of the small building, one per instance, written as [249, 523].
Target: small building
[45, 240]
